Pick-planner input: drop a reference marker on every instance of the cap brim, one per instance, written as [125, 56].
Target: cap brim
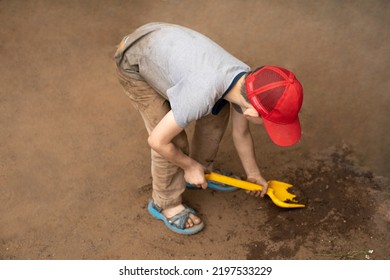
[283, 134]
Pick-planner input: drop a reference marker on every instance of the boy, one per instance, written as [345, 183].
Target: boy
[173, 76]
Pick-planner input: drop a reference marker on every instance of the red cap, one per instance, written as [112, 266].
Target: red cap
[277, 95]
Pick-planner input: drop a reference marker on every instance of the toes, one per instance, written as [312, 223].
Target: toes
[189, 223]
[192, 221]
[196, 220]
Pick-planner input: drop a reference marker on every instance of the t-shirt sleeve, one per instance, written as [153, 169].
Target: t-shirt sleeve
[190, 99]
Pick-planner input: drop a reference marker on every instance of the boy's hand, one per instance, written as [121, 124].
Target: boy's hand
[195, 175]
[260, 181]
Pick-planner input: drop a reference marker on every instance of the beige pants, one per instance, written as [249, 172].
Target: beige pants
[168, 179]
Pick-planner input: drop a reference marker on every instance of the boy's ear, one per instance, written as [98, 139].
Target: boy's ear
[251, 112]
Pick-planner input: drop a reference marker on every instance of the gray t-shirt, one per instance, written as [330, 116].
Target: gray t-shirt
[184, 66]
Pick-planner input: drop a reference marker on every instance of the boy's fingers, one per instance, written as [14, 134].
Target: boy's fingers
[253, 193]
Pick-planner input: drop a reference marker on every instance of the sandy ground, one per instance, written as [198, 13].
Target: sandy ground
[74, 165]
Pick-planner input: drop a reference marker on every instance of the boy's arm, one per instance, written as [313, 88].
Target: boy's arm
[160, 140]
[244, 145]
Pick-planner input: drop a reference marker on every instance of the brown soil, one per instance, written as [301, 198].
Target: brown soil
[74, 165]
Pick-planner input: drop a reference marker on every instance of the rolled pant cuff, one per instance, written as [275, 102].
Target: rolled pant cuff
[166, 203]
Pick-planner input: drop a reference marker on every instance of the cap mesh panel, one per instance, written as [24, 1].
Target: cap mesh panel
[270, 97]
[265, 77]
[285, 71]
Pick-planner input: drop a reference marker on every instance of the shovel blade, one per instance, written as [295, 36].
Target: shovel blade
[281, 191]
[282, 196]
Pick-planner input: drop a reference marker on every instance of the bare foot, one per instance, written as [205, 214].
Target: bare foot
[191, 221]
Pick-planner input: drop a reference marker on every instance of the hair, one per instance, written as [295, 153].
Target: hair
[243, 91]
[243, 85]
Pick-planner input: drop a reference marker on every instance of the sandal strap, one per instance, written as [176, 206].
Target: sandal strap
[180, 219]
[156, 207]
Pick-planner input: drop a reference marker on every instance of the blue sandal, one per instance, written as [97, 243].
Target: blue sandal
[177, 222]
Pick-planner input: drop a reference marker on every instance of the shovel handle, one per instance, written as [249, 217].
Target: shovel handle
[233, 182]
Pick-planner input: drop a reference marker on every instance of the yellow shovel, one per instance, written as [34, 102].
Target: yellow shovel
[277, 191]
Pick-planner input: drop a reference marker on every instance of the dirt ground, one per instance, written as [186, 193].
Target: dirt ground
[74, 162]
